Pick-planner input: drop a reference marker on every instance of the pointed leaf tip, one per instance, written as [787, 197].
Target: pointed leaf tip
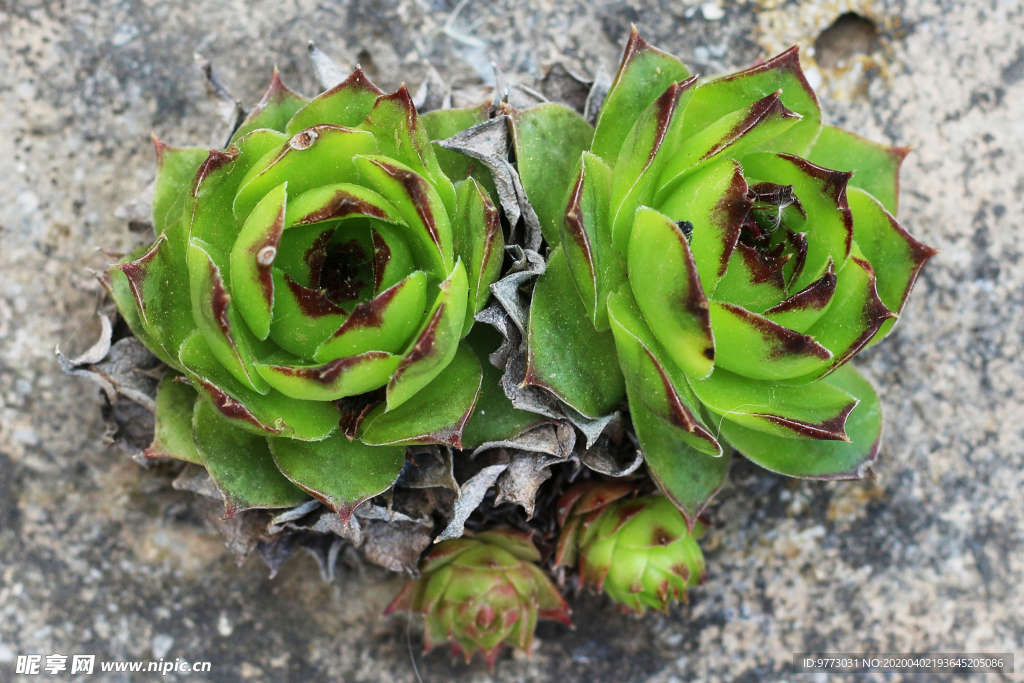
[159, 146]
[277, 91]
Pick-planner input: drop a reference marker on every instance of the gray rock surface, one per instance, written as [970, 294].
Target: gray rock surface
[98, 556]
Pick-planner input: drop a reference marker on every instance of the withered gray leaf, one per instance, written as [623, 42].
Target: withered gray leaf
[276, 551]
[196, 479]
[298, 512]
[520, 96]
[519, 482]
[379, 513]
[556, 440]
[242, 532]
[613, 461]
[130, 427]
[328, 72]
[330, 522]
[229, 111]
[471, 494]
[515, 289]
[428, 467]
[488, 143]
[598, 92]
[512, 320]
[433, 92]
[125, 367]
[394, 540]
[420, 503]
[325, 549]
[538, 400]
[561, 85]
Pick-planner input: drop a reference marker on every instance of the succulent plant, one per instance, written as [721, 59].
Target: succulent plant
[314, 284]
[638, 551]
[481, 593]
[718, 256]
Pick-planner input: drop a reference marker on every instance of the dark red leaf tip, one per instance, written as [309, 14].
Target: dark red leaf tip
[276, 92]
[359, 79]
[160, 147]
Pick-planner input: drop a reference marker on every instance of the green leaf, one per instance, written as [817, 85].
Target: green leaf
[494, 418]
[896, 257]
[437, 413]
[548, 140]
[587, 238]
[384, 323]
[401, 136]
[119, 289]
[753, 280]
[209, 216]
[807, 306]
[340, 473]
[218, 319]
[660, 385]
[348, 376]
[822, 194]
[713, 200]
[437, 341]
[753, 346]
[479, 243]
[172, 434]
[687, 477]
[719, 97]
[337, 201]
[442, 124]
[152, 293]
[875, 167]
[645, 151]
[644, 74]
[813, 411]
[175, 175]
[565, 354]
[666, 284]
[420, 206]
[732, 136]
[206, 242]
[320, 155]
[855, 316]
[274, 110]
[346, 104]
[304, 318]
[241, 465]
[252, 260]
[272, 414]
[392, 260]
[820, 459]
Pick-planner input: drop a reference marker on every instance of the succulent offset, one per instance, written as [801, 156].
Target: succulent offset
[718, 256]
[638, 551]
[482, 593]
[314, 283]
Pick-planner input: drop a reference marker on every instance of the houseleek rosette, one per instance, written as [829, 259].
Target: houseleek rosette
[718, 256]
[638, 551]
[321, 269]
[482, 593]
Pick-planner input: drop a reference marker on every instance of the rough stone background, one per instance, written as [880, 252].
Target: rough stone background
[98, 556]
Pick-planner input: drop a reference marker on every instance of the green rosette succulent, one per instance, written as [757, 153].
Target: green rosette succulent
[314, 284]
[717, 258]
[638, 551]
[481, 593]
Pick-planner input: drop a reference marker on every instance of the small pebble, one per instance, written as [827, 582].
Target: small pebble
[712, 12]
